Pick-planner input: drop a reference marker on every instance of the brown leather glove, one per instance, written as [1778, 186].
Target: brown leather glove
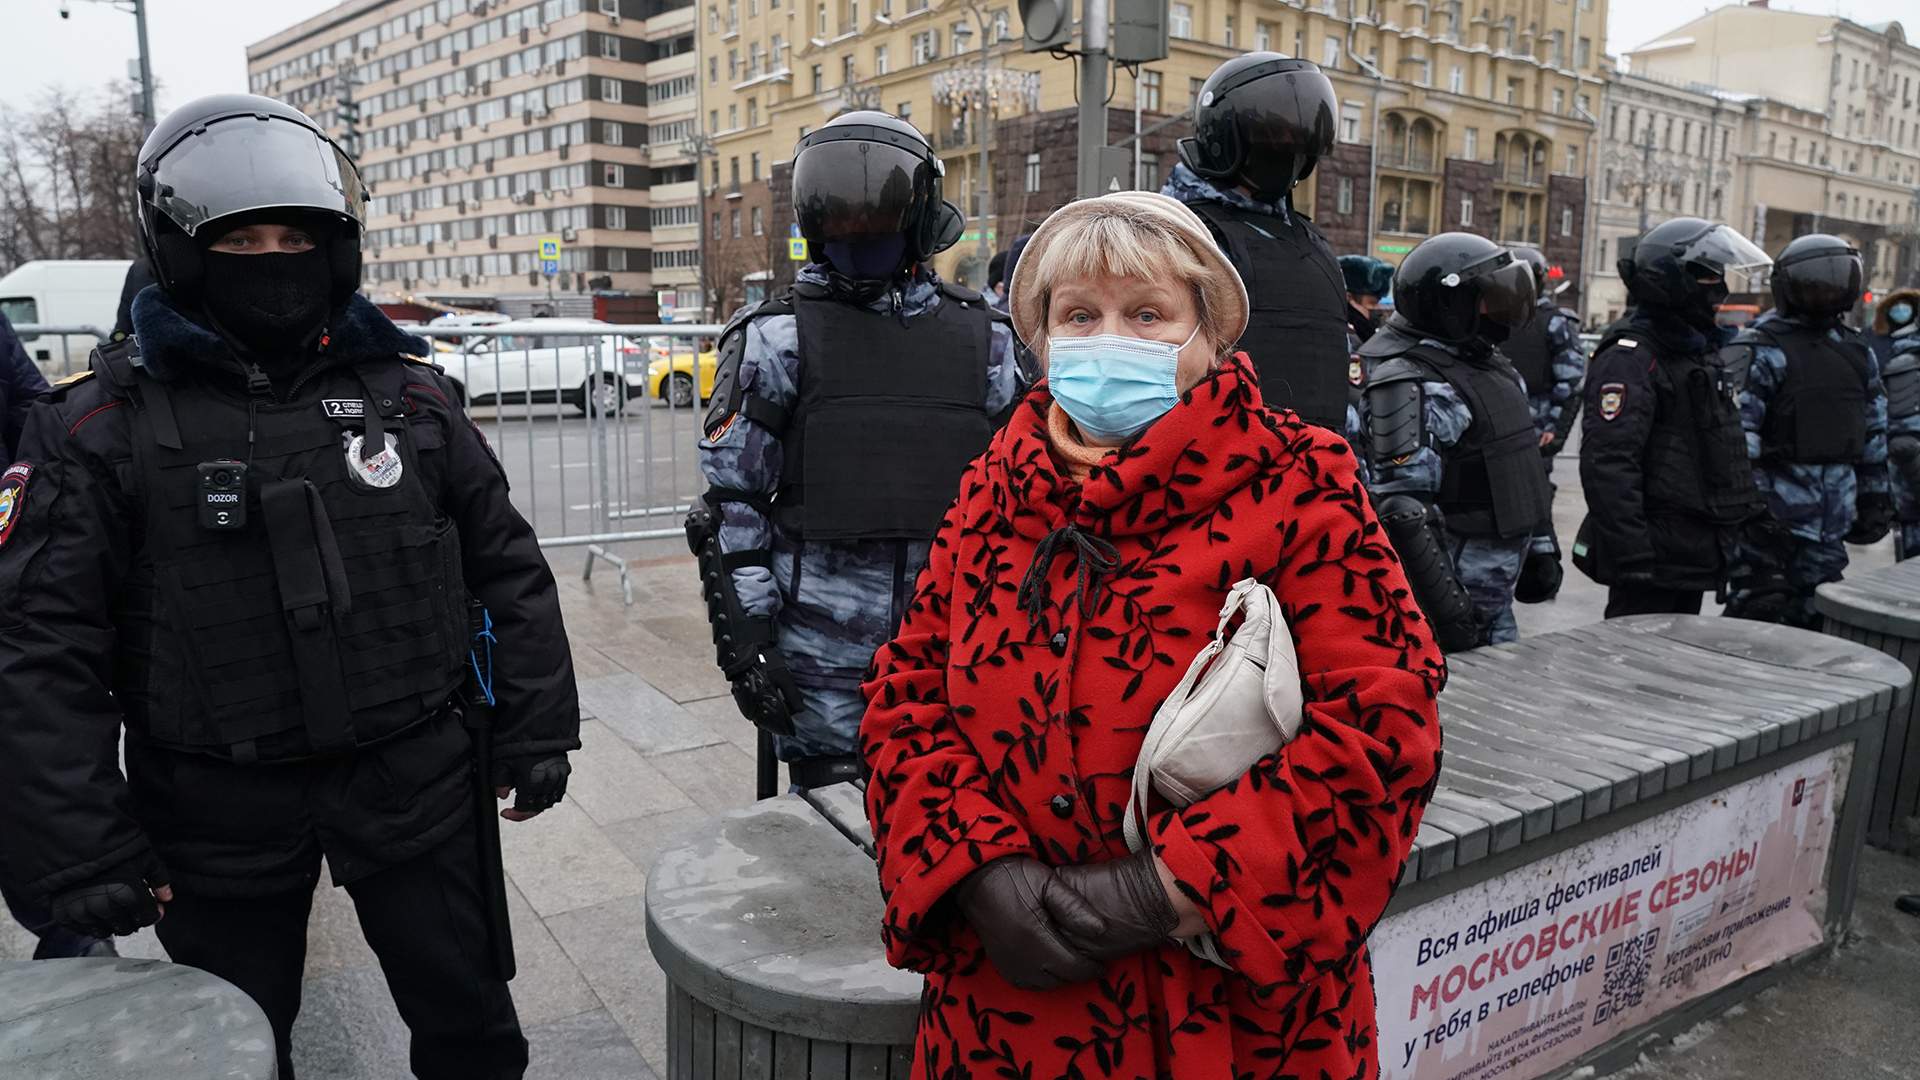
[1128, 893]
[1021, 911]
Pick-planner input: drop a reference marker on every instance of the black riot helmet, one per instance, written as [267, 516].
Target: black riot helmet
[1535, 261]
[867, 177]
[1261, 120]
[1456, 287]
[1817, 277]
[1673, 265]
[217, 158]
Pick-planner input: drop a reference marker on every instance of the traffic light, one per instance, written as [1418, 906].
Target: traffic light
[1139, 31]
[1045, 25]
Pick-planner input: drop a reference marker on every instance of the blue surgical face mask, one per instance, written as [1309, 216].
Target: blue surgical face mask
[1900, 314]
[1113, 386]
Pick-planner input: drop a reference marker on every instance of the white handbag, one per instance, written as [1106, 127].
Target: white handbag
[1239, 701]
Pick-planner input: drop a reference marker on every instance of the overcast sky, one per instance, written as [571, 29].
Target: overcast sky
[199, 46]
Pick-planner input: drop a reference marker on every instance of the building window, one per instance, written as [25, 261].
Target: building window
[1330, 52]
[1457, 80]
[733, 65]
[1583, 53]
[1229, 42]
[1194, 86]
[820, 21]
[610, 132]
[1471, 149]
[879, 60]
[1149, 90]
[1406, 205]
[1513, 91]
[1350, 121]
[1343, 203]
[616, 217]
[713, 69]
[616, 175]
[734, 217]
[1566, 221]
[1466, 211]
[1033, 172]
[1573, 160]
[759, 221]
[753, 112]
[755, 166]
[819, 79]
[733, 172]
[926, 46]
[847, 74]
[733, 117]
[610, 90]
[616, 258]
[904, 111]
[610, 47]
[1180, 21]
[1263, 37]
[1559, 102]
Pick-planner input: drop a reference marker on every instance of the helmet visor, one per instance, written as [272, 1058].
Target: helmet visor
[1822, 284]
[1723, 253]
[852, 189]
[242, 163]
[1505, 286]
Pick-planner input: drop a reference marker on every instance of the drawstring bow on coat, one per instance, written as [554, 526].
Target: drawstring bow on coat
[1094, 560]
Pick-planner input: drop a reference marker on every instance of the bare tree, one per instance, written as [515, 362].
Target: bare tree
[729, 260]
[66, 179]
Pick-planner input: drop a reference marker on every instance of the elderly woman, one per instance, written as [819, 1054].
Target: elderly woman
[1083, 565]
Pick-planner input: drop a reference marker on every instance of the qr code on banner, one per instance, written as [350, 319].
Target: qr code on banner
[1629, 966]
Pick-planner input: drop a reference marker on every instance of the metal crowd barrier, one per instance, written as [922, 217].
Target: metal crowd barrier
[596, 425]
[72, 357]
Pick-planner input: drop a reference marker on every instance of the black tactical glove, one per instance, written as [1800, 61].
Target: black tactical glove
[1873, 517]
[118, 902]
[1023, 914]
[538, 780]
[1540, 577]
[1129, 895]
[764, 689]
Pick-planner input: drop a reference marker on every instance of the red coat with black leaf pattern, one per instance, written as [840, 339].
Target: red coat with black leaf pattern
[995, 731]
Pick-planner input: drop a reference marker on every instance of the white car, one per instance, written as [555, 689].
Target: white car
[524, 364]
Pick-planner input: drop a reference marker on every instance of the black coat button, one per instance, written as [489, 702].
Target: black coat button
[1058, 643]
[1062, 805]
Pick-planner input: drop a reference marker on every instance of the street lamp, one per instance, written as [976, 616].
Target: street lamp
[699, 146]
[138, 9]
[963, 33]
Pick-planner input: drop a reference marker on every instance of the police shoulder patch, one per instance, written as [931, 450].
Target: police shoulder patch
[1356, 374]
[1613, 399]
[13, 497]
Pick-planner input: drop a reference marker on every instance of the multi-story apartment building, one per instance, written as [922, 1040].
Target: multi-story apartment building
[484, 125]
[1831, 137]
[1482, 116]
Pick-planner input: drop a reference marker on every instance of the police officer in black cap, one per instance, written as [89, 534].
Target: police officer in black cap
[1455, 465]
[252, 539]
[1261, 123]
[844, 411]
[1662, 457]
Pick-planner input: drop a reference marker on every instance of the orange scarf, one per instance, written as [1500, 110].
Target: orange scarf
[1073, 454]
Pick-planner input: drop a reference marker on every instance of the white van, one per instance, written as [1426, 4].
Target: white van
[63, 292]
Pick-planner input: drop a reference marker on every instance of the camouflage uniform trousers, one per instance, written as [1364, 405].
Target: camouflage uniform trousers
[1906, 540]
[1489, 569]
[828, 724]
[1809, 564]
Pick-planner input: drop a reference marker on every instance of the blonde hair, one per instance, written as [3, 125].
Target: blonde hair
[1113, 239]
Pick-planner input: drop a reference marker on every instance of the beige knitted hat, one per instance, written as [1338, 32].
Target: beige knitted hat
[1224, 294]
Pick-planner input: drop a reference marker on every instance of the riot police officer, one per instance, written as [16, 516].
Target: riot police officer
[1899, 319]
[1546, 353]
[844, 411]
[1261, 123]
[1815, 417]
[1455, 465]
[1662, 459]
[1367, 280]
[251, 538]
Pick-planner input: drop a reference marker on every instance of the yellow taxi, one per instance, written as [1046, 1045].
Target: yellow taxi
[673, 375]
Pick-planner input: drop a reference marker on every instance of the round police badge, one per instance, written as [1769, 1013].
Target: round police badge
[382, 470]
[13, 497]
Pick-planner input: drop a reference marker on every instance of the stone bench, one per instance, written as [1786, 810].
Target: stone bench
[1680, 799]
[1881, 609]
[120, 1019]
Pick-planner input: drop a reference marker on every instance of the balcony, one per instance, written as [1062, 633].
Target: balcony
[1521, 176]
[1415, 162]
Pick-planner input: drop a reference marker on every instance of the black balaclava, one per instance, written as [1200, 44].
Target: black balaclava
[270, 307]
[1702, 300]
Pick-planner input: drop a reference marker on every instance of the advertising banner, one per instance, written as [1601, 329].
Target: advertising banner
[1523, 973]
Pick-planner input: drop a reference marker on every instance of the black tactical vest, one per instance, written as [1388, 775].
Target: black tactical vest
[1296, 322]
[1696, 457]
[1818, 416]
[1494, 483]
[888, 416]
[335, 618]
[1532, 353]
[1902, 379]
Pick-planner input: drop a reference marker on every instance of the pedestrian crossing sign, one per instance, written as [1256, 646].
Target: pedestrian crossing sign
[549, 248]
[796, 249]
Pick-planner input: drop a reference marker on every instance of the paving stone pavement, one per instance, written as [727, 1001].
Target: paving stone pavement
[665, 749]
